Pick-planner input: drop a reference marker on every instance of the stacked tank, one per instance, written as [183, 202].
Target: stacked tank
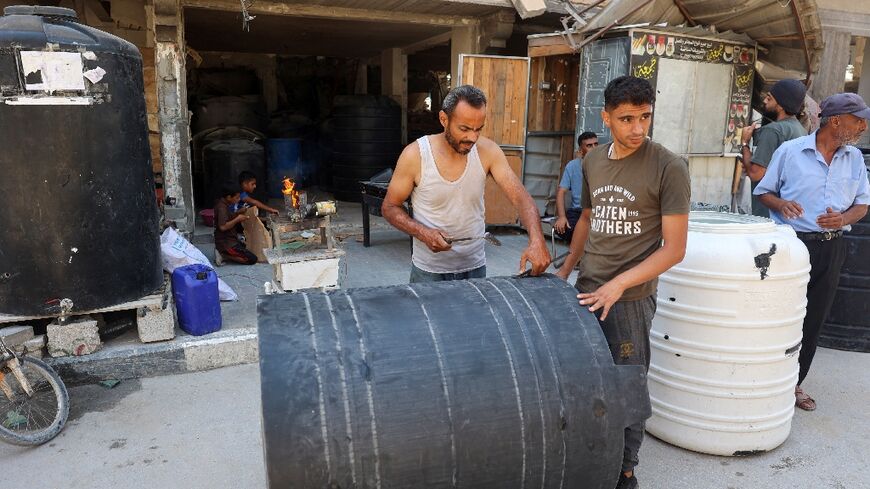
[80, 217]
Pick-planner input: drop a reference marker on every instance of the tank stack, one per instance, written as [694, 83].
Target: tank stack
[228, 128]
[80, 215]
[848, 324]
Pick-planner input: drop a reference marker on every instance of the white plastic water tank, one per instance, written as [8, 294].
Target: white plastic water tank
[726, 336]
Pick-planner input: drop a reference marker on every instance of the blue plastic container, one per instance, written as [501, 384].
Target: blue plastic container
[195, 289]
[284, 157]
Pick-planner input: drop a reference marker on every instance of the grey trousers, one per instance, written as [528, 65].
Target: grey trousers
[627, 331]
[418, 276]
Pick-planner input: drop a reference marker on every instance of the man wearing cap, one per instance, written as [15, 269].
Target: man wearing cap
[818, 185]
[781, 105]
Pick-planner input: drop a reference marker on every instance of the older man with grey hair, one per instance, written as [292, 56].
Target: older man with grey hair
[445, 176]
[818, 185]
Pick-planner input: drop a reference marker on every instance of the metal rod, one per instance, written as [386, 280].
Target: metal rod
[682, 8]
[800, 27]
[606, 28]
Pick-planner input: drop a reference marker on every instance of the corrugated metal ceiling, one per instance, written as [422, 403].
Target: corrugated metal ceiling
[771, 23]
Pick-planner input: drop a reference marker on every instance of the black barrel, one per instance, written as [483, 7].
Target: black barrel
[493, 383]
[223, 161]
[79, 216]
[243, 111]
[848, 324]
[363, 136]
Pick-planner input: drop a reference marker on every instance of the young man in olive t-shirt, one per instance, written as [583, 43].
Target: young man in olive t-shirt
[635, 194]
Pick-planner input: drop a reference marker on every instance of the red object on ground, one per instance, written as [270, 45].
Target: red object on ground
[207, 216]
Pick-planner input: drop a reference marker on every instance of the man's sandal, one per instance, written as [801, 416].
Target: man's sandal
[803, 401]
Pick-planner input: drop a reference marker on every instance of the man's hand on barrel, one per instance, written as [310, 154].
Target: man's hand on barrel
[536, 254]
[434, 240]
[604, 298]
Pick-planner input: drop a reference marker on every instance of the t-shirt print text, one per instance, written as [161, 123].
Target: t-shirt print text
[612, 214]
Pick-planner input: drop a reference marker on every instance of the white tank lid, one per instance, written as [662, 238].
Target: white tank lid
[729, 223]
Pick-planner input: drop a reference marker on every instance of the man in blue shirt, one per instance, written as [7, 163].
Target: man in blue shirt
[572, 180]
[818, 185]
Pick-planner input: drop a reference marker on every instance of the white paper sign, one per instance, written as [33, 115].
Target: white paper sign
[51, 71]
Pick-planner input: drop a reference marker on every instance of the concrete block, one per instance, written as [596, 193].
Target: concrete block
[155, 323]
[74, 338]
[16, 335]
[35, 347]
[530, 8]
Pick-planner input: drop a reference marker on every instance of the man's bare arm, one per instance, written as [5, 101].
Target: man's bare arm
[401, 186]
[836, 220]
[507, 180]
[789, 209]
[754, 171]
[561, 216]
[578, 243]
[675, 233]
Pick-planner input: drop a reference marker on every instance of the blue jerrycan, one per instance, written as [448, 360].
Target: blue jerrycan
[195, 289]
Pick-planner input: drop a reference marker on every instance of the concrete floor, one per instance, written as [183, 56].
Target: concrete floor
[202, 430]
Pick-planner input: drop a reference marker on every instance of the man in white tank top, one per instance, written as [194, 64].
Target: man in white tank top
[445, 175]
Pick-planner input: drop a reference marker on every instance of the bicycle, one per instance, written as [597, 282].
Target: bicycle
[34, 405]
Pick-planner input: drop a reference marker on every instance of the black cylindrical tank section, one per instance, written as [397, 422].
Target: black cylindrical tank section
[80, 217]
[363, 136]
[490, 383]
[223, 161]
[848, 323]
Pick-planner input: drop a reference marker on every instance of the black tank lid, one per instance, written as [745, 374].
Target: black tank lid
[40, 10]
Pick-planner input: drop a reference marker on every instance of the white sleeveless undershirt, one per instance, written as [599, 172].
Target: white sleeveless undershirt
[455, 208]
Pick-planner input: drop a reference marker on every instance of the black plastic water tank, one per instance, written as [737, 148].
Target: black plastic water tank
[492, 383]
[79, 216]
[848, 324]
[224, 160]
[363, 136]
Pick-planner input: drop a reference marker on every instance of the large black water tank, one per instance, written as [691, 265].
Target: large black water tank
[79, 214]
[244, 111]
[223, 161]
[848, 324]
[492, 383]
[363, 136]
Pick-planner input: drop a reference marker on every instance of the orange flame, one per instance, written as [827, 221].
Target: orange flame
[290, 189]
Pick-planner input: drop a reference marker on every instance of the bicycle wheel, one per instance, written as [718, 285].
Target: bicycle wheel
[33, 420]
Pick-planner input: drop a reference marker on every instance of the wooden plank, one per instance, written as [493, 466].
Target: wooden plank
[519, 104]
[540, 51]
[147, 301]
[156, 161]
[272, 7]
[257, 239]
[535, 94]
[505, 83]
[499, 209]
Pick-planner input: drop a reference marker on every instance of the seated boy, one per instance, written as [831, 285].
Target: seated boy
[226, 243]
[248, 182]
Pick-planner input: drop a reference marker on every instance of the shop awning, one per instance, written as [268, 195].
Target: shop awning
[788, 32]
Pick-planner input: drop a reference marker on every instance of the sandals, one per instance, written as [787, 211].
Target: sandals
[803, 401]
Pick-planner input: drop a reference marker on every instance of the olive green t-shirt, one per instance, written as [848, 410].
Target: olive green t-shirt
[767, 140]
[627, 198]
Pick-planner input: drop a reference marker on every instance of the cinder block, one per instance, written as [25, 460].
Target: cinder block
[155, 323]
[35, 347]
[16, 335]
[74, 338]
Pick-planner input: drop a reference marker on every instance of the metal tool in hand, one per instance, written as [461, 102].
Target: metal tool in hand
[556, 262]
[488, 237]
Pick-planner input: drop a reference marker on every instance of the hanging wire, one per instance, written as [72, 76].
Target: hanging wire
[246, 17]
